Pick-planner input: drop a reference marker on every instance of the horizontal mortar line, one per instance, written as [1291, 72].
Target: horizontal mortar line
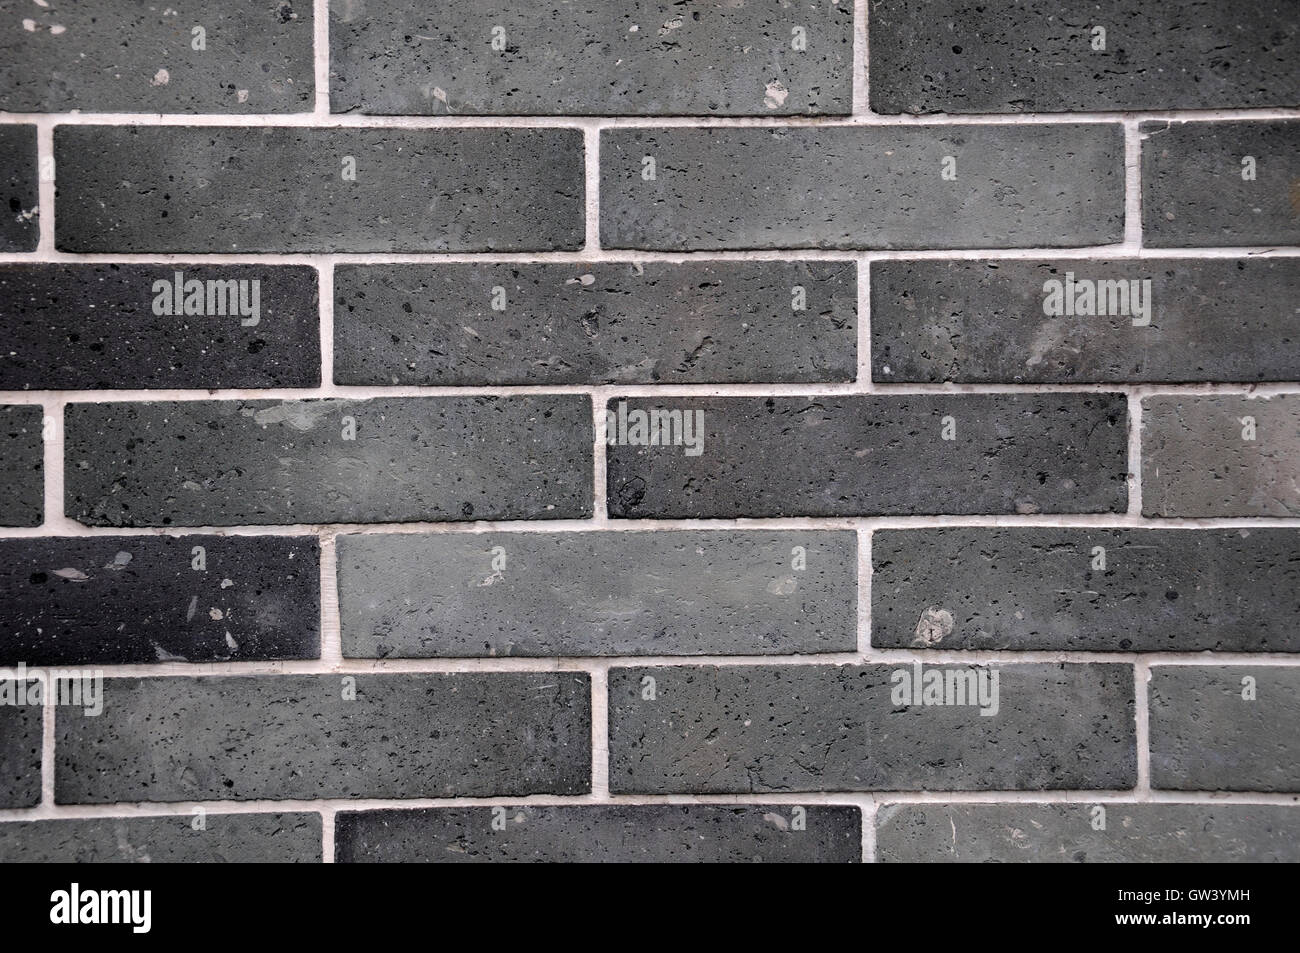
[642, 390]
[1117, 251]
[1092, 521]
[557, 663]
[142, 809]
[337, 120]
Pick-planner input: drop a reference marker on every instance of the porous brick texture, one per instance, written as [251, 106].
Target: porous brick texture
[818, 431]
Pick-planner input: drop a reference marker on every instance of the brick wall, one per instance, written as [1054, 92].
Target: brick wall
[328, 335]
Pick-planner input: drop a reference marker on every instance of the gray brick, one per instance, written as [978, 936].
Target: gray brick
[19, 215]
[784, 728]
[88, 326]
[851, 456]
[112, 600]
[595, 322]
[222, 463]
[1173, 590]
[1007, 56]
[1196, 460]
[597, 833]
[862, 187]
[587, 57]
[1063, 833]
[124, 56]
[582, 594]
[1206, 735]
[984, 321]
[225, 839]
[20, 749]
[22, 480]
[1193, 193]
[243, 189]
[294, 737]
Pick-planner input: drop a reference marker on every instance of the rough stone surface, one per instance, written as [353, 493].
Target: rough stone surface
[242, 189]
[588, 57]
[1160, 590]
[1064, 833]
[624, 833]
[225, 839]
[1206, 735]
[20, 753]
[124, 56]
[1010, 56]
[1196, 460]
[1209, 319]
[114, 600]
[862, 187]
[20, 225]
[221, 463]
[298, 736]
[784, 728]
[850, 456]
[595, 322]
[1193, 193]
[576, 594]
[89, 326]
[22, 489]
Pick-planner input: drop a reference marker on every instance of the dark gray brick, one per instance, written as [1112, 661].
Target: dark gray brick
[22, 478]
[1063, 833]
[88, 326]
[125, 56]
[1207, 735]
[1196, 460]
[597, 833]
[862, 187]
[850, 456]
[588, 57]
[984, 321]
[783, 728]
[243, 189]
[579, 594]
[1173, 590]
[111, 600]
[288, 737]
[20, 748]
[222, 463]
[1192, 188]
[225, 839]
[1037, 55]
[19, 215]
[594, 323]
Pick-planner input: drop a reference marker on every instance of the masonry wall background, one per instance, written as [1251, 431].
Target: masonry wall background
[366, 580]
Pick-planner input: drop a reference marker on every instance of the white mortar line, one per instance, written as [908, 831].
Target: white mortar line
[1132, 185]
[861, 61]
[600, 731]
[1141, 678]
[331, 638]
[1117, 252]
[1135, 455]
[327, 814]
[132, 809]
[868, 119]
[46, 804]
[869, 808]
[864, 595]
[661, 391]
[321, 58]
[864, 383]
[908, 657]
[600, 459]
[1099, 521]
[591, 155]
[45, 187]
[325, 292]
